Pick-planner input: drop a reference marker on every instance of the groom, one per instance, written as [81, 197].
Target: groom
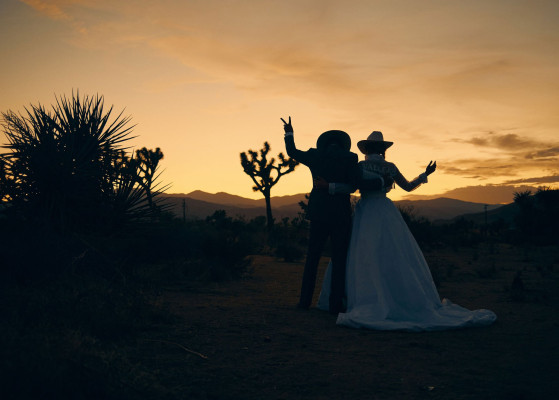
[329, 214]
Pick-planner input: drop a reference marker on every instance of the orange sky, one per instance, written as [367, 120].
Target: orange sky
[472, 84]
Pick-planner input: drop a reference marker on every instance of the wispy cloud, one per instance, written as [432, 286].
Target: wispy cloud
[350, 55]
[51, 9]
[477, 168]
[481, 168]
[61, 10]
[512, 154]
[540, 180]
[509, 142]
[544, 154]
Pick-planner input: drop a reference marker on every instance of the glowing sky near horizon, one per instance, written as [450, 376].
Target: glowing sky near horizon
[473, 84]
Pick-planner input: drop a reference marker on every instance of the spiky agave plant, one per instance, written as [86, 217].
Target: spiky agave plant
[68, 166]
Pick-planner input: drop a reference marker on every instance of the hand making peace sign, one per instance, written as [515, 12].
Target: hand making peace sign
[287, 125]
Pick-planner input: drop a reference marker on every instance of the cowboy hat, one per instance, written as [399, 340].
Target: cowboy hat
[334, 136]
[374, 141]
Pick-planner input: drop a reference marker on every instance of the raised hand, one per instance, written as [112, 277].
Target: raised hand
[431, 168]
[287, 125]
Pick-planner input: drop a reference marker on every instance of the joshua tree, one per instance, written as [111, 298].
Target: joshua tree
[304, 213]
[148, 161]
[68, 167]
[265, 174]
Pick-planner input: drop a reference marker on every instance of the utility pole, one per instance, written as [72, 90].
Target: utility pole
[485, 208]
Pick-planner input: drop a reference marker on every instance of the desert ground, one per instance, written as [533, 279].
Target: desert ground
[246, 339]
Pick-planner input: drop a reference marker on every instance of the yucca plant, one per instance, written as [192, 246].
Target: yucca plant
[68, 166]
[5, 183]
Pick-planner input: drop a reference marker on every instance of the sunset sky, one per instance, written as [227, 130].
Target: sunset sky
[471, 84]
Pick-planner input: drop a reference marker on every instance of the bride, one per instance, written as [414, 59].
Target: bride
[388, 282]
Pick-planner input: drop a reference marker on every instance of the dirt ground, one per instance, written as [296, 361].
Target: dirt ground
[246, 340]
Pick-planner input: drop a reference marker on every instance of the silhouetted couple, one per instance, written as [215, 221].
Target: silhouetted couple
[377, 277]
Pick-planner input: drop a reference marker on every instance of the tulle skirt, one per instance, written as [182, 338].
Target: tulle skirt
[388, 282]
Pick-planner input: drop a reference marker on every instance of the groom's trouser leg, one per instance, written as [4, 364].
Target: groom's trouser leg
[340, 242]
[319, 232]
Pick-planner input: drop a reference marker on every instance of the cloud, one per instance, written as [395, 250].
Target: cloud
[254, 47]
[512, 154]
[352, 57]
[50, 9]
[60, 10]
[478, 168]
[544, 154]
[505, 141]
[542, 180]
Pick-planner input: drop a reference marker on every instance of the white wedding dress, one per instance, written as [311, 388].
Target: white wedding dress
[388, 282]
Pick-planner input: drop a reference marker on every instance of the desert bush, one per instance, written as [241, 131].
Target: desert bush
[67, 167]
[537, 218]
[289, 251]
[170, 249]
[223, 249]
[420, 227]
[33, 254]
[66, 301]
[288, 239]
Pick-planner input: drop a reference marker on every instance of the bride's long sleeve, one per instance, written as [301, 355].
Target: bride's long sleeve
[404, 183]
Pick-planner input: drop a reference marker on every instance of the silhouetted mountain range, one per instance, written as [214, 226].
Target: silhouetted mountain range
[444, 208]
[242, 202]
[199, 204]
[505, 212]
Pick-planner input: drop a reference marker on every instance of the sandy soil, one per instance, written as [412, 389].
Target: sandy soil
[246, 339]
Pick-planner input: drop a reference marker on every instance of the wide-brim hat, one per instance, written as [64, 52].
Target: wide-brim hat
[334, 136]
[374, 141]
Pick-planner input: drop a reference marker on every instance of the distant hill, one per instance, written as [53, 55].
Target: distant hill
[442, 208]
[199, 209]
[201, 204]
[506, 212]
[238, 201]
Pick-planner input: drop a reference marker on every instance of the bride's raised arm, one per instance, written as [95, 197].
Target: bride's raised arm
[422, 178]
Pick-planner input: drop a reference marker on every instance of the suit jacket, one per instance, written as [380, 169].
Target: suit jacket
[335, 165]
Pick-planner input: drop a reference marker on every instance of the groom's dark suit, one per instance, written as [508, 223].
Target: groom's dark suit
[330, 214]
